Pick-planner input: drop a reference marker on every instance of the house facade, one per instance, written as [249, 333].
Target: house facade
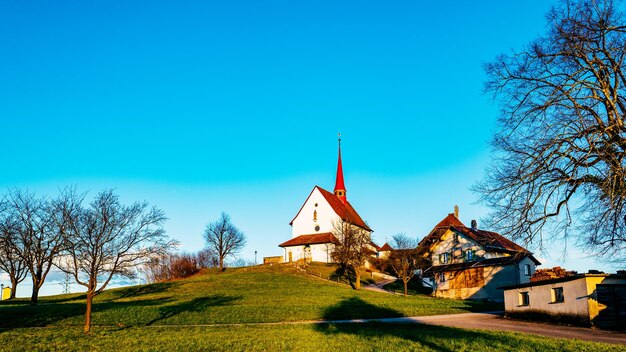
[313, 228]
[582, 299]
[468, 263]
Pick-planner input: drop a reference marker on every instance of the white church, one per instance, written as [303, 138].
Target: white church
[312, 228]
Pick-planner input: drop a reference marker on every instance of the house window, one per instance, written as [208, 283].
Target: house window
[557, 295]
[442, 277]
[314, 215]
[524, 299]
[470, 254]
[444, 258]
[527, 270]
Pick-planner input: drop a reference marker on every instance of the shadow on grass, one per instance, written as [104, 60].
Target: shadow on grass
[199, 304]
[134, 291]
[356, 308]
[26, 315]
[426, 335]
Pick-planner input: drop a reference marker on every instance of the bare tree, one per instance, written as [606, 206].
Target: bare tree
[224, 239]
[171, 266]
[108, 238]
[10, 260]
[207, 259]
[39, 240]
[404, 259]
[559, 153]
[352, 248]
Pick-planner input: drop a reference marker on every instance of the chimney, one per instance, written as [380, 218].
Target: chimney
[456, 211]
[474, 225]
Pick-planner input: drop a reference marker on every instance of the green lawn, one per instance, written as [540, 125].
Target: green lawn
[157, 317]
[251, 295]
[302, 338]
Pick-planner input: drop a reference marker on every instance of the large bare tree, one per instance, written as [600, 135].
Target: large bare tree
[39, 240]
[223, 238]
[404, 258]
[10, 260]
[107, 238]
[352, 248]
[558, 167]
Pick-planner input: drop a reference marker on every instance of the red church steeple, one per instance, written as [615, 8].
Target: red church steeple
[340, 188]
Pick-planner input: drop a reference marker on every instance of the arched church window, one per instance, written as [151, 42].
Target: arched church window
[314, 215]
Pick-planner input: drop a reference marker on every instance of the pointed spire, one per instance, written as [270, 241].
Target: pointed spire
[340, 188]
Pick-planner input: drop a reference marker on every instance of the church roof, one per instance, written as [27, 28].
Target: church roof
[315, 238]
[344, 210]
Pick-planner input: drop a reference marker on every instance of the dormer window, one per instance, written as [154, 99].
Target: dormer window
[470, 255]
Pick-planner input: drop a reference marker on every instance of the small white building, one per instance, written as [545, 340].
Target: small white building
[582, 299]
[313, 227]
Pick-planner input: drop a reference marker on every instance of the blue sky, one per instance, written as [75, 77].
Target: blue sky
[200, 107]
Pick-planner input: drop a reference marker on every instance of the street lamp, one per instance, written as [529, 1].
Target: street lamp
[254, 258]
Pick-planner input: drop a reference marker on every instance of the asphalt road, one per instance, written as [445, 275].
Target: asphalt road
[495, 321]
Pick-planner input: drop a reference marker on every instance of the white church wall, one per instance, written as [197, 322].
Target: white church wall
[321, 252]
[305, 224]
[318, 253]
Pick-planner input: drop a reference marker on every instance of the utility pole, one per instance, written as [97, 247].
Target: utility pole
[66, 283]
[254, 258]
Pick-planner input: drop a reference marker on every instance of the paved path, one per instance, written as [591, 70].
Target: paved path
[494, 321]
[378, 287]
[482, 321]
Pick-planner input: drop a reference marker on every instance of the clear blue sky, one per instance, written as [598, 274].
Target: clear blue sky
[200, 107]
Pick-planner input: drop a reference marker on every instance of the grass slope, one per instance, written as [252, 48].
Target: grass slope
[158, 317]
[252, 295]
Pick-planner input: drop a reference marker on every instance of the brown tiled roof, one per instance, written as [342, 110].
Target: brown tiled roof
[386, 247]
[315, 238]
[344, 210]
[491, 241]
[449, 220]
[478, 263]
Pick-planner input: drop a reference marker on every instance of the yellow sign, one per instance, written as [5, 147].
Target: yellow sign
[6, 293]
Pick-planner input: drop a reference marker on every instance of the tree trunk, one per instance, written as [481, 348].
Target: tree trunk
[35, 296]
[406, 283]
[221, 263]
[13, 288]
[87, 327]
[357, 284]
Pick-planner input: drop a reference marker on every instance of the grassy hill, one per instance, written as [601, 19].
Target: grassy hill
[179, 315]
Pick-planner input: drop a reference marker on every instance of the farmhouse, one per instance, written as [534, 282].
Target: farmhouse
[313, 227]
[583, 299]
[468, 263]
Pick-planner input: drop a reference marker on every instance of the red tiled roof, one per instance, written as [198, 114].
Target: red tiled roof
[344, 210]
[386, 247]
[315, 238]
[449, 220]
[490, 240]
[377, 247]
